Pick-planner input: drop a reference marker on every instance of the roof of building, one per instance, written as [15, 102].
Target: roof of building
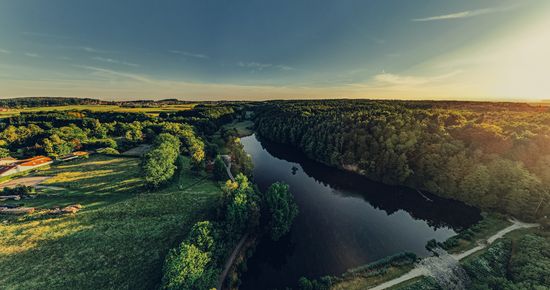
[35, 161]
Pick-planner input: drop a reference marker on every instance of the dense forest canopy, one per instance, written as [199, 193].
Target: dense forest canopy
[493, 155]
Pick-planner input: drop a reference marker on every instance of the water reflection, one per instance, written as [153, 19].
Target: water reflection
[345, 220]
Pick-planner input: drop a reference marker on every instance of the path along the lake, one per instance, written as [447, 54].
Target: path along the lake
[420, 271]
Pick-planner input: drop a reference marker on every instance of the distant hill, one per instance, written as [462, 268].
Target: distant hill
[48, 102]
[28, 102]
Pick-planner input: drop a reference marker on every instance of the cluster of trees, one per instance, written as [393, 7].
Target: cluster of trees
[495, 156]
[195, 263]
[58, 133]
[282, 209]
[158, 165]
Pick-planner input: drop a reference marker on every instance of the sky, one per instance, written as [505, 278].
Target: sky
[284, 49]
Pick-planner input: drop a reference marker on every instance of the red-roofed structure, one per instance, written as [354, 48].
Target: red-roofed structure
[24, 165]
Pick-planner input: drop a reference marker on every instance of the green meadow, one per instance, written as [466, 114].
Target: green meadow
[117, 241]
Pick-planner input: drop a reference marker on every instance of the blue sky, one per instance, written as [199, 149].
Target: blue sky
[275, 49]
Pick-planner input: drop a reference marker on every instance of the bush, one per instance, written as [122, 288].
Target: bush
[19, 190]
[108, 151]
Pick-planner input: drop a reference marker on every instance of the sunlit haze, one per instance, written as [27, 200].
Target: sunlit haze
[255, 50]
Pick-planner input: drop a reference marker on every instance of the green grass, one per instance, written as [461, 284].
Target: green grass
[244, 128]
[117, 241]
[99, 108]
[366, 281]
[488, 226]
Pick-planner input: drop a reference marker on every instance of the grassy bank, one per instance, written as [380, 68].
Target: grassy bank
[467, 239]
[242, 128]
[117, 241]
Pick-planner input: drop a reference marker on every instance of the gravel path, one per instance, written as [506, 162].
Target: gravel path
[418, 271]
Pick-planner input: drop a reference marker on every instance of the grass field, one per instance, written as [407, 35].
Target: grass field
[117, 241]
[244, 128]
[99, 108]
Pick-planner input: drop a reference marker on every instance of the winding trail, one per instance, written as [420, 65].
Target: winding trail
[420, 271]
[230, 261]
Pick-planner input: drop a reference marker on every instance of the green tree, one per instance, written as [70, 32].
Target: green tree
[4, 153]
[282, 209]
[187, 267]
[158, 165]
[242, 211]
[219, 169]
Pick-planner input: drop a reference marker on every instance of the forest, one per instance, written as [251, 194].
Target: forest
[492, 155]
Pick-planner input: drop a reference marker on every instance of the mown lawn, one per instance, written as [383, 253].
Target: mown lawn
[117, 241]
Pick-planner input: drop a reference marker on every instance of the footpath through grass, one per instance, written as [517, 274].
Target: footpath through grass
[117, 241]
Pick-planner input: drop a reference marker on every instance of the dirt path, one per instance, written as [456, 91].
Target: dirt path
[230, 261]
[417, 272]
[26, 181]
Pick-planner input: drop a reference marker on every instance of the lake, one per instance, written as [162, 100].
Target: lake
[345, 220]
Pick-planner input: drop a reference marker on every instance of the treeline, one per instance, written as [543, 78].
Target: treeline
[59, 133]
[48, 102]
[494, 155]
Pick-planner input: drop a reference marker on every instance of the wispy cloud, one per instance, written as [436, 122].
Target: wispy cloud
[30, 54]
[465, 14]
[190, 54]
[4, 51]
[257, 66]
[254, 65]
[114, 61]
[395, 79]
[112, 73]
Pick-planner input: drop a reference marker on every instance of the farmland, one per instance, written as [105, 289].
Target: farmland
[153, 111]
[117, 241]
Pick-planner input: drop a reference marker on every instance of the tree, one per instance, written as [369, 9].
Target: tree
[187, 267]
[158, 165]
[242, 211]
[282, 209]
[305, 284]
[4, 153]
[204, 236]
[220, 173]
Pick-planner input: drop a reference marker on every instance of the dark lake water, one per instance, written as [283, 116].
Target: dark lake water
[345, 220]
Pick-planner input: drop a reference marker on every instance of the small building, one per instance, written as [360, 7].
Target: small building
[74, 155]
[25, 165]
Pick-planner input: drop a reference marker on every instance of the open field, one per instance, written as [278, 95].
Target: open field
[243, 128]
[117, 241]
[99, 108]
